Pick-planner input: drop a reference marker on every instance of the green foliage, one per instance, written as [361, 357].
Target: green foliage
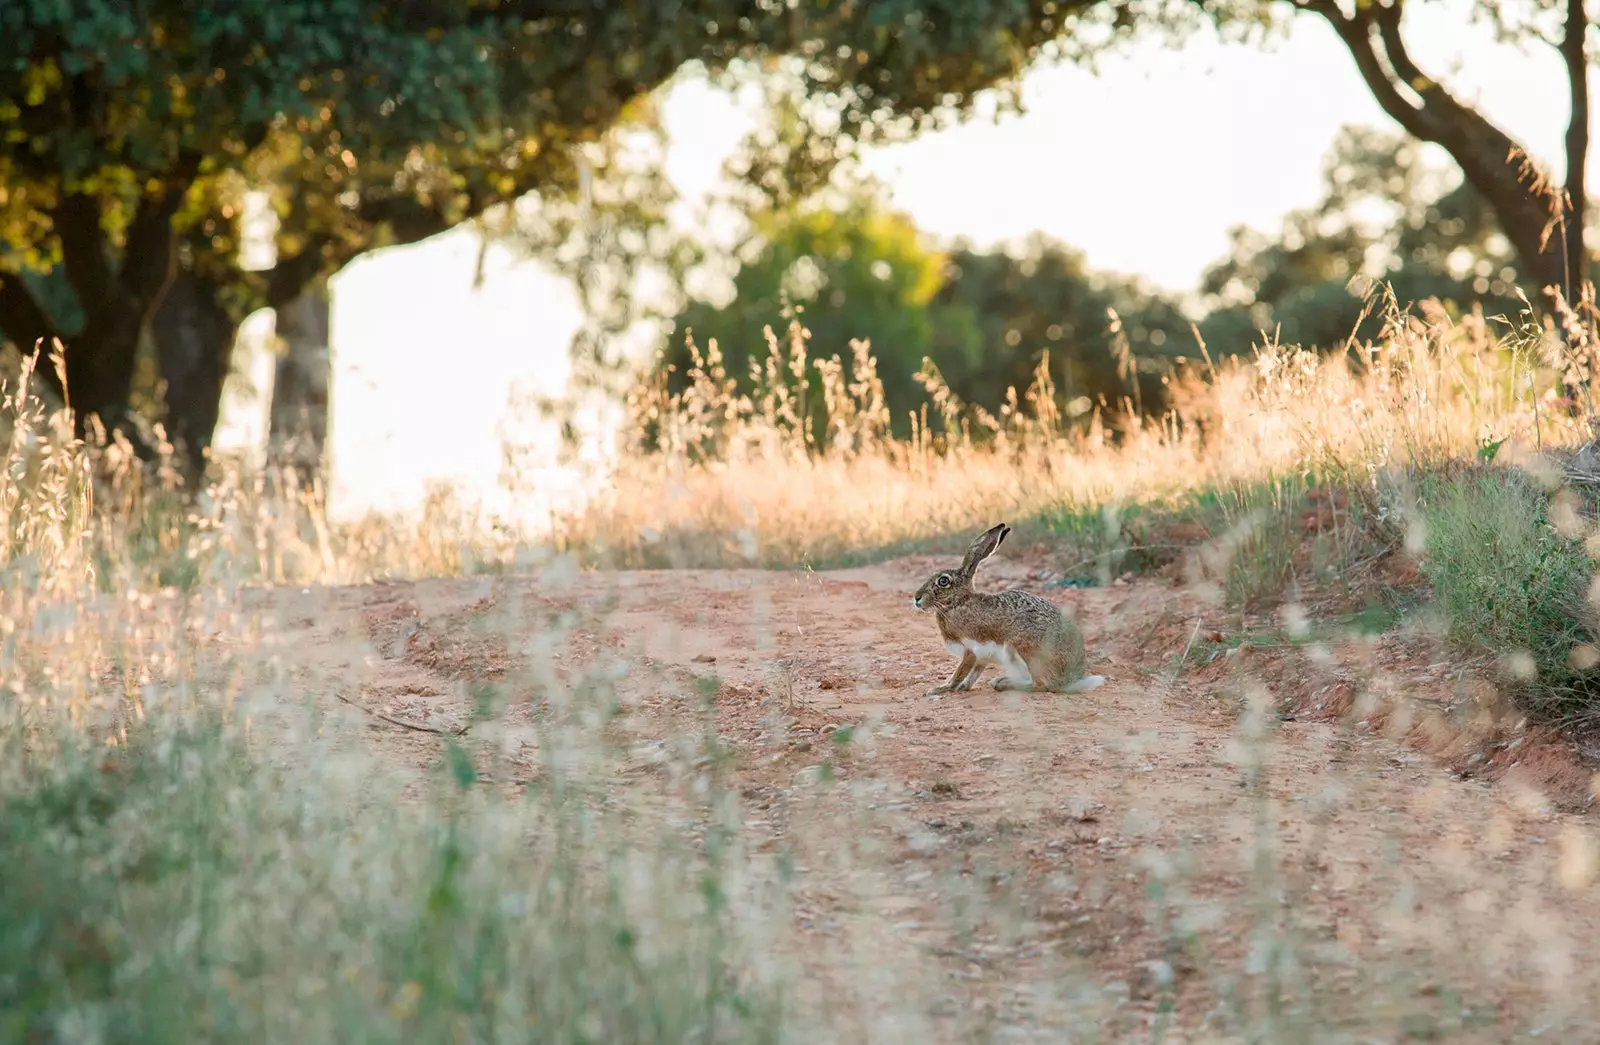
[1512, 587]
[1041, 297]
[369, 123]
[985, 319]
[857, 273]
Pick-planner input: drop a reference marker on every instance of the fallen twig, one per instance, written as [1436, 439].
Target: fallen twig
[521, 781]
[403, 724]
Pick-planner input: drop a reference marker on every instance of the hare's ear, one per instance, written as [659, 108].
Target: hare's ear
[982, 547]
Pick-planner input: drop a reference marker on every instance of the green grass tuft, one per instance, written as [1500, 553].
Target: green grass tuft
[1512, 587]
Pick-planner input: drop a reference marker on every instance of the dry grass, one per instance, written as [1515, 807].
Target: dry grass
[725, 478]
[155, 846]
[190, 852]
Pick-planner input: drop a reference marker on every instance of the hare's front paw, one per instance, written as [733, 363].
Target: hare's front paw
[937, 690]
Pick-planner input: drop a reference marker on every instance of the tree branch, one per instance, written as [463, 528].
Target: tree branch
[1356, 33]
[83, 104]
[1459, 126]
[149, 260]
[1387, 20]
[408, 219]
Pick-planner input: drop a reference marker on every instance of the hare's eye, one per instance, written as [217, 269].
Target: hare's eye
[944, 580]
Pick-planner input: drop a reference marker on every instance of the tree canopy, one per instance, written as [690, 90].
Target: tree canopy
[134, 127]
[852, 268]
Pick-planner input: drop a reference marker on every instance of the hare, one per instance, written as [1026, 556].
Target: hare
[1029, 637]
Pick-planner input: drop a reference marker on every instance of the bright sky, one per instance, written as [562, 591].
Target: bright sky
[1144, 167]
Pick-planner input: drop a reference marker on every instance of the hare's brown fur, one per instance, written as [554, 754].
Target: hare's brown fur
[1029, 637]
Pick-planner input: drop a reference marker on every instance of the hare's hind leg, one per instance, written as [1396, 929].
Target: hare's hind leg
[1057, 665]
[1043, 669]
[1016, 672]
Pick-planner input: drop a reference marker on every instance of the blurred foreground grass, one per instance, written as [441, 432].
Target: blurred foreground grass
[178, 863]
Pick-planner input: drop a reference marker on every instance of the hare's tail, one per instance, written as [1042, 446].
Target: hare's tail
[1085, 684]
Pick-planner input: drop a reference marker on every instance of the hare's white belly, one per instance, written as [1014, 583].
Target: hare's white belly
[999, 654]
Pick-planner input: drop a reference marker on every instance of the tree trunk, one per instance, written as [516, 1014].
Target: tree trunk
[1527, 206]
[298, 434]
[100, 364]
[194, 338]
[1576, 59]
[118, 300]
[100, 358]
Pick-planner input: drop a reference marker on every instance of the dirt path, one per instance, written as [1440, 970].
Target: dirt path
[990, 866]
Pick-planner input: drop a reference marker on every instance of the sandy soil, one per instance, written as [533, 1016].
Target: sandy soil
[1401, 860]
